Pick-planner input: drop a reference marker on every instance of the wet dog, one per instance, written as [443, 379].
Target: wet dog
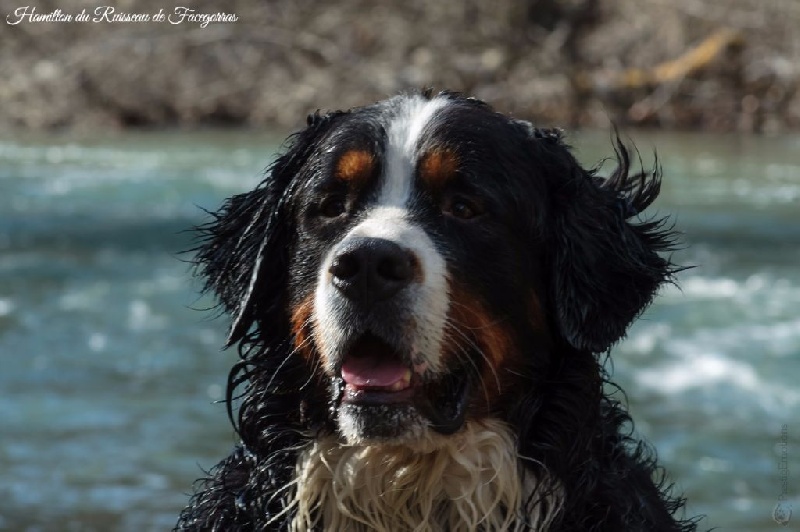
[422, 292]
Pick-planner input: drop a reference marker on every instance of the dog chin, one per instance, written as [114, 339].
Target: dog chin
[381, 424]
[406, 417]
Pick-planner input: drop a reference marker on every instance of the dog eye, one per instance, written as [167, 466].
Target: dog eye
[463, 209]
[332, 207]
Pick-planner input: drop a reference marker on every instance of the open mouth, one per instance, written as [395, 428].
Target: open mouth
[375, 374]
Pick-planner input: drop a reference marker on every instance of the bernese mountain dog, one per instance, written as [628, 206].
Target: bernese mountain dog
[423, 294]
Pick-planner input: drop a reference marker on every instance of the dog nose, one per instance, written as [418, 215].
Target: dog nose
[368, 270]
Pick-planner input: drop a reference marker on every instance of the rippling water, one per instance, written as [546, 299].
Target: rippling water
[109, 374]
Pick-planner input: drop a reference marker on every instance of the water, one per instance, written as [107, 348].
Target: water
[108, 374]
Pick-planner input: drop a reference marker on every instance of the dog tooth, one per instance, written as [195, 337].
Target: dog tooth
[403, 383]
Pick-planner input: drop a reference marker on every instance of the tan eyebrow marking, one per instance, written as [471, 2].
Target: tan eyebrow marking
[355, 166]
[438, 167]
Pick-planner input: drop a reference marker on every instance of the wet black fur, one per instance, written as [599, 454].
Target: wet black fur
[594, 262]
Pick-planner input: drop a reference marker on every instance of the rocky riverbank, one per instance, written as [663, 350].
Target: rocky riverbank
[684, 64]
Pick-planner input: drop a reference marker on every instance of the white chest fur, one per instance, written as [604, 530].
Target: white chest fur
[472, 480]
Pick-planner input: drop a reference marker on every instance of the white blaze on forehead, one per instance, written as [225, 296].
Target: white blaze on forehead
[388, 222]
[403, 134]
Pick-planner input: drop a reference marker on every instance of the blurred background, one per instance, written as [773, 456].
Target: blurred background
[115, 135]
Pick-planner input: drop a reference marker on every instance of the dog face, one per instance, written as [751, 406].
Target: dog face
[420, 254]
[404, 265]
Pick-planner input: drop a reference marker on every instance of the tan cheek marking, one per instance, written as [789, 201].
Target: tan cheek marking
[355, 166]
[488, 333]
[302, 329]
[438, 167]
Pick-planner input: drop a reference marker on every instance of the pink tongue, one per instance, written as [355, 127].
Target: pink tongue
[372, 371]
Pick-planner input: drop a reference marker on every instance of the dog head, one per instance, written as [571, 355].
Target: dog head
[409, 262]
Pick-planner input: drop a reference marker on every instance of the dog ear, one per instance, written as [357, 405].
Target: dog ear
[243, 251]
[605, 262]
